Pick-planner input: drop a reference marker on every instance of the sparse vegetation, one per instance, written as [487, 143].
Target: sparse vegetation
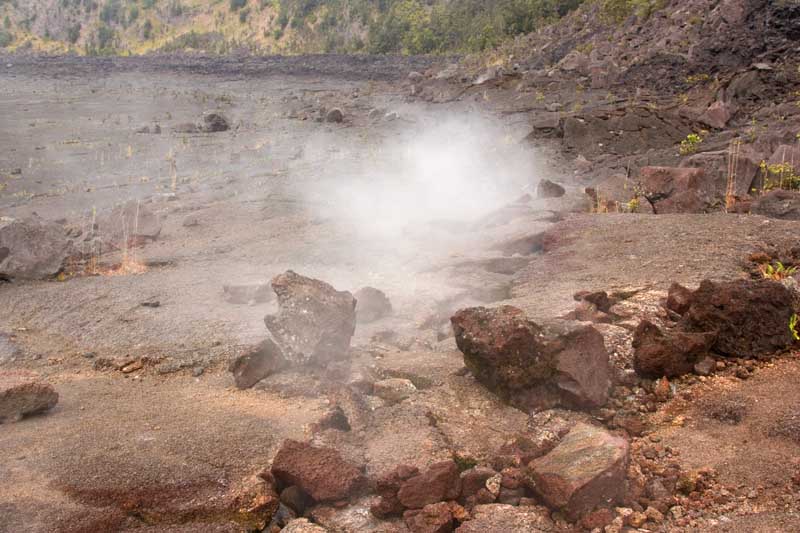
[690, 144]
[793, 327]
[776, 271]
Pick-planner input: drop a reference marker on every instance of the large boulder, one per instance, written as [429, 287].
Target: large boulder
[717, 166]
[31, 248]
[529, 365]
[129, 225]
[676, 190]
[315, 322]
[658, 352]
[749, 318]
[587, 469]
[778, 203]
[320, 472]
[438, 483]
[252, 367]
[23, 394]
[501, 518]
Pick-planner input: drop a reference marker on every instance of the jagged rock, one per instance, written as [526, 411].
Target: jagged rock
[750, 318]
[31, 248]
[215, 123]
[474, 479]
[668, 353]
[678, 298]
[335, 115]
[372, 304]
[315, 322]
[319, 472]
[433, 518]
[549, 189]
[387, 487]
[394, 390]
[257, 293]
[294, 498]
[22, 394]
[587, 469]
[779, 204]
[786, 154]
[252, 367]
[131, 224]
[676, 190]
[716, 165]
[501, 518]
[527, 364]
[438, 483]
[334, 418]
[717, 115]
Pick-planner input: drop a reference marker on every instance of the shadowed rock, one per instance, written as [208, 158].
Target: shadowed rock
[668, 353]
[320, 472]
[214, 123]
[587, 469]
[21, 394]
[252, 367]
[315, 322]
[549, 189]
[387, 487]
[529, 365]
[750, 318]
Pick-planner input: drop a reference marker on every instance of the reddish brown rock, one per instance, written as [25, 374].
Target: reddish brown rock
[678, 298]
[660, 352]
[438, 483]
[23, 394]
[474, 479]
[525, 363]
[433, 518]
[320, 472]
[252, 367]
[676, 190]
[717, 115]
[778, 203]
[749, 317]
[315, 322]
[587, 469]
[372, 304]
[387, 487]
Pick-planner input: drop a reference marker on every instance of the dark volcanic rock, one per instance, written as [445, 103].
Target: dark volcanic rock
[387, 487]
[31, 248]
[438, 483]
[587, 469]
[214, 123]
[372, 304]
[676, 190]
[749, 317]
[549, 189]
[778, 204]
[678, 298]
[319, 472]
[335, 115]
[22, 394]
[525, 363]
[315, 322]
[251, 368]
[668, 353]
[474, 479]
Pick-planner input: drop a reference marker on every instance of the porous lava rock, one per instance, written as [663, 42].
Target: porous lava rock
[31, 248]
[527, 364]
[438, 483]
[667, 352]
[314, 323]
[433, 518]
[676, 190]
[387, 486]
[320, 472]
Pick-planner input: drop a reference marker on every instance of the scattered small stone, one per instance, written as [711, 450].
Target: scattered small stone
[191, 221]
[198, 371]
[394, 390]
[335, 115]
[132, 367]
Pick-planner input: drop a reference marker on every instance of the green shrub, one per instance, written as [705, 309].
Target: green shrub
[5, 38]
[74, 33]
